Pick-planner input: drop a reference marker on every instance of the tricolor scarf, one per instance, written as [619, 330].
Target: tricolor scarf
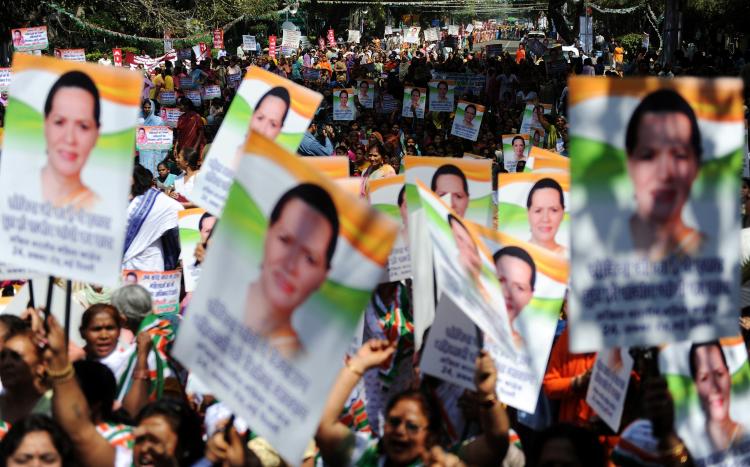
[136, 220]
[161, 327]
[395, 322]
[117, 434]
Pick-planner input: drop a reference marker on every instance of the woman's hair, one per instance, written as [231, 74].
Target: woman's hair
[449, 169]
[401, 197]
[318, 199]
[585, 443]
[142, 180]
[187, 103]
[513, 141]
[205, 216]
[344, 92]
[379, 146]
[98, 385]
[442, 83]
[133, 301]
[94, 310]
[472, 106]
[13, 324]
[184, 422]
[280, 92]
[520, 253]
[192, 157]
[545, 183]
[429, 408]
[661, 102]
[74, 79]
[694, 347]
[34, 423]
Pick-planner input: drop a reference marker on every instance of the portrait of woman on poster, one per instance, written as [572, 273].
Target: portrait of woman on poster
[71, 131]
[299, 246]
[270, 112]
[546, 208]
[713, 383]
[663, 146]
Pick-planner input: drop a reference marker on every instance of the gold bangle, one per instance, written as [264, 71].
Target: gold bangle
[60, 374]
[678, 453]
[354, 370]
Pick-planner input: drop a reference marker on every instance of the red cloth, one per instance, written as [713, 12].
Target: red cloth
[558, 381]
[190, 131]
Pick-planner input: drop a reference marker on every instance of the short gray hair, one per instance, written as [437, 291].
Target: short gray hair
[133, 301]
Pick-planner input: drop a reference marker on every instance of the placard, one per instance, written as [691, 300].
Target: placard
[218, 38]
[153, 138]
[343, 108]
[211, 92]
[28, 39]
[442, 95]
[73, 55]
[608, 386]
[195, 96]
[331, 38]
[431, 35]
[117, 57]
[265, 103]
[411, 35]
[452, 29]
[366, 93]
[354, 36]
[170, 115]
[290, 41]
[279, 355]
[388, 195]
[196, 227]
[77, 229]
[516, 148]
[5, 75]
[535, 207]
[168, 97]
[708, 385]
[164, 287]
[655, 259]
[248, 43]
[272, 46]
[414, 102]
[467, 121]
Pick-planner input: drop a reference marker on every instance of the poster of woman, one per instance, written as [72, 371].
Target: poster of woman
[67, 164]
[290, 267]
[267, 104]
[658, 173]
[467, 121]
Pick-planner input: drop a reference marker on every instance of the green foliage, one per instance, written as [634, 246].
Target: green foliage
[632, 43]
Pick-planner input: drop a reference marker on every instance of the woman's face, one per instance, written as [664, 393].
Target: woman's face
[514, 275]
[70, 130]
[662, 166]
[163, 170]
[469, 114]
[268, 118]
[36, 449]
[146, 108]
[154, 438]
[405, 432]
[180, 160]
[376, 159]
[518, 147]
[294, 258]
[468, 254]
[545, 215]
[101, 335]
[713, 382]
[453, 185]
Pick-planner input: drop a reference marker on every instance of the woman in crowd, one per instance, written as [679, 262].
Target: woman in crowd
[378, 167]
[37, 440]
[412, 432]
[165, 179]
[189, 161]
[101, 325]
[189, 131]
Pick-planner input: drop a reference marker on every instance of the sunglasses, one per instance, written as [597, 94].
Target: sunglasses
[411, 427]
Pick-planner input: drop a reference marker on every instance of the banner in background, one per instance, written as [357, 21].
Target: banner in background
[467, 121]
[28, 39]
[117, 57]
[5, 75]
[153, 138]
[164, 287]
[516, 148]
[248, 43]
[170, 115]
[218, 38]
[366, 93]
[73, 55]
[414, 102]
[343, 104]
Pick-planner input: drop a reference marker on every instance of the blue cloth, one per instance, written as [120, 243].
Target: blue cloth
[310, 146]
[135, 222]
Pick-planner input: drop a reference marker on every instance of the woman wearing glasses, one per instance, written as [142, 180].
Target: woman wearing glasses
[412, 430]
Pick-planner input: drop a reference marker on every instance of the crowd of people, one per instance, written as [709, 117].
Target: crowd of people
[122, 400]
